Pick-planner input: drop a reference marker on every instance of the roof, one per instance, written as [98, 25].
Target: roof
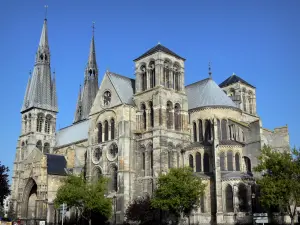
[74, 133]
[207, 93]
[159, 48]
[124, 86]
[56, 165]
[235, 175]
[234, 79]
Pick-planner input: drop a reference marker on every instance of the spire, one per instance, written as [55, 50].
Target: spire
[209, 70]
[44, 37]
[92, 64]
[78, 112]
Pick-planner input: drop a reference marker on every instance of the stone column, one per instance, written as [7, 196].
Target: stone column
[148, 78]
[171, 76]
[147, 119]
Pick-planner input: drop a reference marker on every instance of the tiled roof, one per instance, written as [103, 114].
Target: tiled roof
[56, 165]
[159, 48]
[207, 93]
[125, 87]
[234, 79]
[74, 133]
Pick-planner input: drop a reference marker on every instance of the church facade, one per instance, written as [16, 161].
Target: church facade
[132, 130]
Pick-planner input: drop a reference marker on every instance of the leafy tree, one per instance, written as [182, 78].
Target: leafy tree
[280, 183]
[141, 211]
[87, 197]
[178, 192]
[4, 186]
[1, 211]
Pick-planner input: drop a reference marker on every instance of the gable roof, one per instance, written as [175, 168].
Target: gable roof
[159, 48]
[207, 93]
[234, 79]
[124, 86]
[56, 165]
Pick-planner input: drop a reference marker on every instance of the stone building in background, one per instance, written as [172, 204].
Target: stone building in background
[132, 130]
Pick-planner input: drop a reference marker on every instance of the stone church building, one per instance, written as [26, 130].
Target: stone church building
[132, 130]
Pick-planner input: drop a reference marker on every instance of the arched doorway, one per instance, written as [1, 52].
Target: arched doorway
[29, 200]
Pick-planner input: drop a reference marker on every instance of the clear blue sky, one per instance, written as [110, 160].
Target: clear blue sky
[258, 40]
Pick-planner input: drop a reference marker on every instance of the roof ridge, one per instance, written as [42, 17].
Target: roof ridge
[199, 81]
[123, 76]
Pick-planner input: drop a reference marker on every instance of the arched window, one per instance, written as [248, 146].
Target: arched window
[250, 103]
[144, 78]
[222, 161]
[170, 159]
[105, 130]
[39, 145]
[229, 161]
[177, 116]
[224, 130]
[112, 129]
[47, 124]
[176, 78]
[29, 121]
[191, 161]
[46, 148]
[195, 131]
[237, 162]
[198, 162]
[244, 102]
[248, 164]
[206, 162]
[114, 178]
[200, 129]
[22, 150]
[219, 129]
[152, 74]
[242, 196]
[39, 122]
[169, 115]
[229, 198]
[167, 74]
[151, 114]
[207, 130]
[143, 161]
[150, 154]
[25, 123]
[143, 108]
[99, 132]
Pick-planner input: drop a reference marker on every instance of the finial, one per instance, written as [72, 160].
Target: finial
[209, 70]
[93, 28]
[46, 7]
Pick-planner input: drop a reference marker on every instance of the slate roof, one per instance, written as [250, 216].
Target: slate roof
[159, 48]
[235, 175]
[125, 87]
[234, 79]
[74, 133]
[56, 165]
[207, 93]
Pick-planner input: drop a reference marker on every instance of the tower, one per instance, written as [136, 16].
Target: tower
[88, 93]
[162, 113]
[37, 137]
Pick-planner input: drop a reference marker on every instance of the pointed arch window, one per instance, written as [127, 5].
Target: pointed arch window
[198, 162]
[39, 122]
[25, 123]
[248, 164]
[177, 116]
[191, 161]
[169, 115]
[144, 78]
[222, 161]
[242, 197]
[29, 121]
[195, 131]
[39, 145]
[105, 130]
[229, 161]
[237, 162]
[151, 114]
[47, 124]
[206, 162]
[22, 150]
[112, 129]
[200, 129]
[46, 148]
[207, 130]
[176, 75]
[152, 74]
[229, 198]
[244, 103]
[144, 115]
[99, 132]
[114, 178]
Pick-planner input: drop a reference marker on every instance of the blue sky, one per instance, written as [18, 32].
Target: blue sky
[258, 40]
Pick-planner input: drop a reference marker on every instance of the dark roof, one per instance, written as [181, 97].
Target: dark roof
[56, 165]
[230, 142]
[159, 48]
[234, 79]
[235, 175]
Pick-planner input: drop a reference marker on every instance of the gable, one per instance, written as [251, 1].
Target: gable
[35, 156]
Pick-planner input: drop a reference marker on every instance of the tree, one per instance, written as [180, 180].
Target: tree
[141, 211]
[178, 192]
[87, 197]
[280, 183]
[4, 186]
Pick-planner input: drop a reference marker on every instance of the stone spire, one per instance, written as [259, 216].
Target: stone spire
[88, 93]
[41, 90]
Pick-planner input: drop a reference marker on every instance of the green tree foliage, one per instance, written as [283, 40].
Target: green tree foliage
[178, 192]
[87, 197]
[4, 186]
[1, 211]
[141, 211]
[280, 183]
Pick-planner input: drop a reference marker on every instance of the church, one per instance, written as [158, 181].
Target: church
[133, 130]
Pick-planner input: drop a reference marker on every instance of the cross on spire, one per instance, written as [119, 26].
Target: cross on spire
[93, 28]
[209, 70]
[46, 9]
